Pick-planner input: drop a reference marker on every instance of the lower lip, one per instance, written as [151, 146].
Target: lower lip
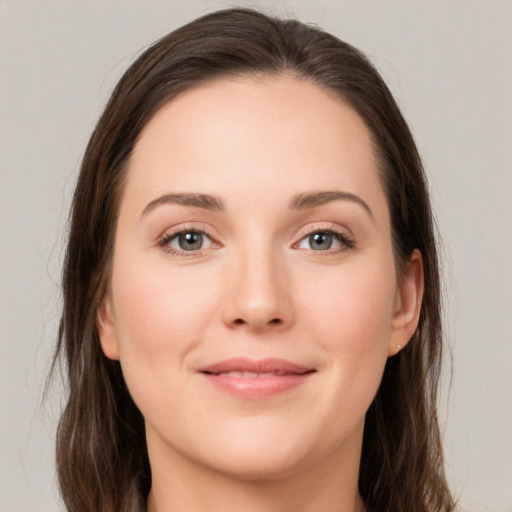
[256, 388]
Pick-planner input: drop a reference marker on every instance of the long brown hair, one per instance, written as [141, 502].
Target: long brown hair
[101, 450]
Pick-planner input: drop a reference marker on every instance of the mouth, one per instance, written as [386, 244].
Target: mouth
[254, 380]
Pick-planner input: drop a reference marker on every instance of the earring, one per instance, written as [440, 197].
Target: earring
[398, 347]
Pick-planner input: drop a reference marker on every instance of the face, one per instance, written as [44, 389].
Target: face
[253, 299]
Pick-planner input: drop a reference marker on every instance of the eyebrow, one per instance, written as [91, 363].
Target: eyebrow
[304, 201]
[206, 201]
[314, 199]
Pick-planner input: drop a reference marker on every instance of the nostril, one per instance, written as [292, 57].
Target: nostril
[274, 321]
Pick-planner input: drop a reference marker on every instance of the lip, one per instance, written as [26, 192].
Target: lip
[255, 379]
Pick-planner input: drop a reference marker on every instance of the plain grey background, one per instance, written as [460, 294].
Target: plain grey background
[449, 63]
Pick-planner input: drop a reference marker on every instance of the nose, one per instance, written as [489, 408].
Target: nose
[258, 296]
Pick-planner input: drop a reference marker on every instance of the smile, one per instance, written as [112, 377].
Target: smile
[252, 375]
[255, 380]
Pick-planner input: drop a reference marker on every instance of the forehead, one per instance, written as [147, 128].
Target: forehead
[270, 107]
[254, 134]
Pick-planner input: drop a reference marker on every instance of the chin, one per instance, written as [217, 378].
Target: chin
[263, 466]
[263, 449]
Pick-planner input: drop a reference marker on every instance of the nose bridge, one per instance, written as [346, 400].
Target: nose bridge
[258, 296]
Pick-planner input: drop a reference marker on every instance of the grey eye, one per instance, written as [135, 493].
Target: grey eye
[326, 241]
[320, 241]
[188, 241]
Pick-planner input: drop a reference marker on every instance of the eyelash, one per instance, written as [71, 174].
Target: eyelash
[342, 237]
[167, 238]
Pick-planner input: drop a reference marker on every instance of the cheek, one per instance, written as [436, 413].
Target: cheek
[351, 316]
[353, 304]
[158, 310]
[160, 317]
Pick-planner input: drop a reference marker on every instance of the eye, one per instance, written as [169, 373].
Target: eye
[187, 241]
[325, 240]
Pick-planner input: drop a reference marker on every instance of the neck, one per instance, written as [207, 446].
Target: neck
[221, 495]
[181, 485]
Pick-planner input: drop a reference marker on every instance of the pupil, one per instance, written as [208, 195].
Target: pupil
[320, 241]
[190, 241]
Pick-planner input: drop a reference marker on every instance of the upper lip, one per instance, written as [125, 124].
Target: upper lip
[273, 366]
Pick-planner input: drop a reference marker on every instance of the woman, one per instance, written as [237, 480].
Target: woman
[251, 289]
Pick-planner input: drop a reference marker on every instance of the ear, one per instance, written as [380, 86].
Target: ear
[407, 305]
[106, 328]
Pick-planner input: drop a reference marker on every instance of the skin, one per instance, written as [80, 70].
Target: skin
[257, 289]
